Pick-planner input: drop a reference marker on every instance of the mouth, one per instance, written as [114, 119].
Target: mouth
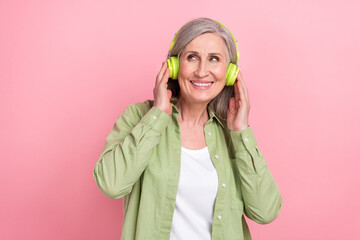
[201, 84]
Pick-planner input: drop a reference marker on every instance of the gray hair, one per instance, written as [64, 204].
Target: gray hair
[186, 34]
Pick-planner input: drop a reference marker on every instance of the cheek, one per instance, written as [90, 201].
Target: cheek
[220, 72]
[186, 69]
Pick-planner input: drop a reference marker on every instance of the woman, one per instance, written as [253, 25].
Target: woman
[187, 163]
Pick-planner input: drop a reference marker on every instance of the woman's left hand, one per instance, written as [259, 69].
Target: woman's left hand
[239, 107]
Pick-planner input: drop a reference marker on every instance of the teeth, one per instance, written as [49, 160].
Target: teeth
[201, 84]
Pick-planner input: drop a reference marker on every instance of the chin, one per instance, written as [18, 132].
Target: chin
[199, 99]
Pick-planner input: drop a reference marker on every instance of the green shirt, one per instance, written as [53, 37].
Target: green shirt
[141, 162]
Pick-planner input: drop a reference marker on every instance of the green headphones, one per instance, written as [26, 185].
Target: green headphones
[231, 72]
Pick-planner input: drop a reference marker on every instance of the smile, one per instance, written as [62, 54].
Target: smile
[201, 84]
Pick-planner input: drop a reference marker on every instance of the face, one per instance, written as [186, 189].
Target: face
[203, 65]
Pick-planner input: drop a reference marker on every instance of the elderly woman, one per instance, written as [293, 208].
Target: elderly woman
[187, 163]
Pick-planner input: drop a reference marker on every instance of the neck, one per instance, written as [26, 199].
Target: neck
[192, 114]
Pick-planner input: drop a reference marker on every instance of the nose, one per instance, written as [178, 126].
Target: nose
[202, 69]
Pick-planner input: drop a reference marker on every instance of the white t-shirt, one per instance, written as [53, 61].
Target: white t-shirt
[195, 199]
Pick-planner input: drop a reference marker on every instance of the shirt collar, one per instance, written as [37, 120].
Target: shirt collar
[212, 116]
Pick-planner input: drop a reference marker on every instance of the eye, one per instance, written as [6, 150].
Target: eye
[214, 58]
[191, 57]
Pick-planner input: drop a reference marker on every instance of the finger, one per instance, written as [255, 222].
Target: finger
[236, 89]
[161, 73]
[165, 77]
[237, 94]
[241, 100]
[242, 95]
[239, 76]
[245, 90]
[243, 86]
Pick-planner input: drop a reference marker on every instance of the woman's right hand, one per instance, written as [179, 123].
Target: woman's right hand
[162, 95]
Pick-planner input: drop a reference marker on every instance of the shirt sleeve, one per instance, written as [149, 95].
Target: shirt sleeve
[127, 150]
[261, 194]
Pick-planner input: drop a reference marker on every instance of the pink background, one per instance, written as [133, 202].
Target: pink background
[69, 68]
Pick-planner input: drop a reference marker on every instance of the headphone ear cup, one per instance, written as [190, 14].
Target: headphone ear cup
[231, 74]
[173, 64]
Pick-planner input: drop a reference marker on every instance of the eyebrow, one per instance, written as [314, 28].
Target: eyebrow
[195, 52]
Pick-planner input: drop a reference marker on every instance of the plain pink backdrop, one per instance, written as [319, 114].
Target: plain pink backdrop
[69, 68]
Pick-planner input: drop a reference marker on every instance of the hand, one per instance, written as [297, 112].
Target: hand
[239, 107]
[161, 94]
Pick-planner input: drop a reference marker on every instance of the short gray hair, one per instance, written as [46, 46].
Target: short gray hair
[185, 35]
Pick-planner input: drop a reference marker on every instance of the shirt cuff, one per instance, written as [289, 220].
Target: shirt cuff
[243, 139]
[154, 120]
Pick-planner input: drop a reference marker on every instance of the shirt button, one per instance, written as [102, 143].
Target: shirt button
[219, 217]
[154, 117]
[209, 133]
[246, 139]
[216, 156]
[223, 185]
